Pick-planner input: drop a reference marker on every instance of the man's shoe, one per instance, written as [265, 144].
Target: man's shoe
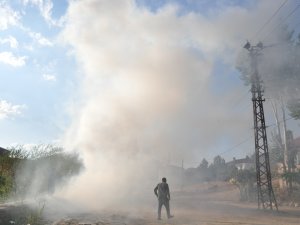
[171, 216]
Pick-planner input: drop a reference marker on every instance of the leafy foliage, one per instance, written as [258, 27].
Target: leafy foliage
[245, 176]
[294, 108]
[40, 169]
[276, 151]
[245, 180]
[292, 176]
[203, 164]
[217, 171]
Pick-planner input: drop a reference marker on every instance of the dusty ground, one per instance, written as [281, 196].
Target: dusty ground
[210, 204]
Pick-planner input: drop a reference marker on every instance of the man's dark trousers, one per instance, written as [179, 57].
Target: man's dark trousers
[164, 202]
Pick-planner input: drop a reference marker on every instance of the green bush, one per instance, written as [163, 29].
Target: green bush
[38, 170]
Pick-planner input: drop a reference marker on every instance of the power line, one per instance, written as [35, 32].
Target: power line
[245, 107]
[290, 14]
[246, 140]
[237, 145]
[229, 149]
[274, 124]
[240, 99]
[269, 20]
[296, 25]
[251, 136]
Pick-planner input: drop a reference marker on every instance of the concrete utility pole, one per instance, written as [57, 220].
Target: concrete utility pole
[265, 194]
[182, 175]
[286, 150]
[278, 137]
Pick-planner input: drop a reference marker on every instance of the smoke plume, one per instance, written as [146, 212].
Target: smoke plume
[146, 92]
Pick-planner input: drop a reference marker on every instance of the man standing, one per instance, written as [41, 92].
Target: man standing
[162, 192]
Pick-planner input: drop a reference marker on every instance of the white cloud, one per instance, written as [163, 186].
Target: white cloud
[8, 110]
[29, 47]
[49, 77]
[40, 39]
[7, 16]
[45, 7]
[11, 41]
[10, 59]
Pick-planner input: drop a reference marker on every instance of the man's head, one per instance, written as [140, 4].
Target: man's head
[164, 179]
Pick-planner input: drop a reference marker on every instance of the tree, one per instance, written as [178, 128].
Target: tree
[218, 161]
[276, 149]
[294, 103]
[219, 168]
[294, 108]
[245, 180]
[203, 165]
[38, 170]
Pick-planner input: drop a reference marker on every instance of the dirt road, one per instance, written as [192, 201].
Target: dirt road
[209, 204]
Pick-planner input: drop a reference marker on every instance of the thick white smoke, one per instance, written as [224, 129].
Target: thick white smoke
[146, 91]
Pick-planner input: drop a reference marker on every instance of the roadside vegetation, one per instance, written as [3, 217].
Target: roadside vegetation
[286, 184]
[37, 170]
[30, 173]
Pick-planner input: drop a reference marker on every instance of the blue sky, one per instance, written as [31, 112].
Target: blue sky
[205, 7]
[41, 83]
[41, 75]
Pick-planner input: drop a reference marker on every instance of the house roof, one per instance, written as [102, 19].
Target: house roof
[3, 151]
[238, 161]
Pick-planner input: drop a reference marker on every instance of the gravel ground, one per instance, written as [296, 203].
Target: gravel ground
[216, 204]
